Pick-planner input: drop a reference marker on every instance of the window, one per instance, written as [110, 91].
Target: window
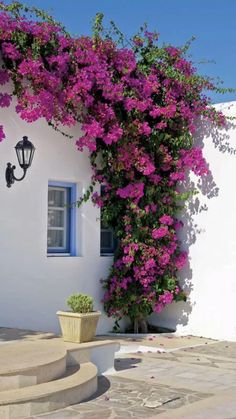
[61, 218]
[108, 242]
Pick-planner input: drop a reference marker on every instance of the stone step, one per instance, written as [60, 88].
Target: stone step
[79, 383]
[27, 363]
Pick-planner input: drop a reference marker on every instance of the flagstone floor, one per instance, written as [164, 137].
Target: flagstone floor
[194, 379]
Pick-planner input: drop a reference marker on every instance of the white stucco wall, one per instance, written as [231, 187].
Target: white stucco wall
[33, 286]
[210, 237]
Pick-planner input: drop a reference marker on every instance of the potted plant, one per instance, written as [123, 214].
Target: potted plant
[79, 324]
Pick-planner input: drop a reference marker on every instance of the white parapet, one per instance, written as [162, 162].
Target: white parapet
[100, 352]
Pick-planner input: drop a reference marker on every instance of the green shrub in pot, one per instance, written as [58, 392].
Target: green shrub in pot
[80, 303]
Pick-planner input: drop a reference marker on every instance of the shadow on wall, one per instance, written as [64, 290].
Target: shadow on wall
[178, 313]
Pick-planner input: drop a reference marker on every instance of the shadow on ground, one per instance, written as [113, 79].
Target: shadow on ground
[11, 334]
[103, 386]
[126, 363]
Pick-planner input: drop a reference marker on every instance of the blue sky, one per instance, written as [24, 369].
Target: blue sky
[211, 21]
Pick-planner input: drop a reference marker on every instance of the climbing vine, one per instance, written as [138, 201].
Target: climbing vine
[138, 103]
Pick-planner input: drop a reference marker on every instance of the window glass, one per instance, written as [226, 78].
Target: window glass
[55, 239]
[56, 196]
[108, 242]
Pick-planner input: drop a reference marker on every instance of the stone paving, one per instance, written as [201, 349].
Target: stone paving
[194, 379]
[125, 398]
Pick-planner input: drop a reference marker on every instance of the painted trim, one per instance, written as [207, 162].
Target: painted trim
[72, 227]
[73, 220]
[61, 184]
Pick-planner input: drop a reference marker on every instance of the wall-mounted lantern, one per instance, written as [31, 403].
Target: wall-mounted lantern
[25, 153]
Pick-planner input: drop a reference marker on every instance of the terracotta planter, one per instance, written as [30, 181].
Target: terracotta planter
[78, 327]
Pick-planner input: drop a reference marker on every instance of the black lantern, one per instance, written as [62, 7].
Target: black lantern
[25, 153]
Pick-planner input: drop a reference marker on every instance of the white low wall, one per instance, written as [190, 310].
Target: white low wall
[34, 286]
[210, 237]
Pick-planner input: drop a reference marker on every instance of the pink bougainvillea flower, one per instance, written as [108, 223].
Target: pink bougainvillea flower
[166, 219]
[178, 225]
[5, 100]
[135, 190]
[2, 135]
[180, 260]
[10, 51]
[160, 232]
[96, 198]
[4, 77]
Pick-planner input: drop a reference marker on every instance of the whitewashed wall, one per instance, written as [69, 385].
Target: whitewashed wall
[210, 237]
[33, 286]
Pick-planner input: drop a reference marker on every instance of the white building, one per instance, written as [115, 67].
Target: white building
[35, 281]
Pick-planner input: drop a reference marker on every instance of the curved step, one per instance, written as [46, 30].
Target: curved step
[33, 362]
[78, 384]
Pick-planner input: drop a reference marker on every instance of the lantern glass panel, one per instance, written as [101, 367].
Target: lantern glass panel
[20, 156]
[27, 154]
[31, 156]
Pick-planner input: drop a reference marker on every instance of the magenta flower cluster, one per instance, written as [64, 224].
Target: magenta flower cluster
[134, 191]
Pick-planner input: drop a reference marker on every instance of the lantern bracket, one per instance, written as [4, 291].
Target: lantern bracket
[10, 177]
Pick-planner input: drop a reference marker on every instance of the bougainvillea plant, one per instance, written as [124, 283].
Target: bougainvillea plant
[138, 104]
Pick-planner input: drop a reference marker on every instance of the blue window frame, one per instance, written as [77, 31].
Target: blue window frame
[61, 235]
